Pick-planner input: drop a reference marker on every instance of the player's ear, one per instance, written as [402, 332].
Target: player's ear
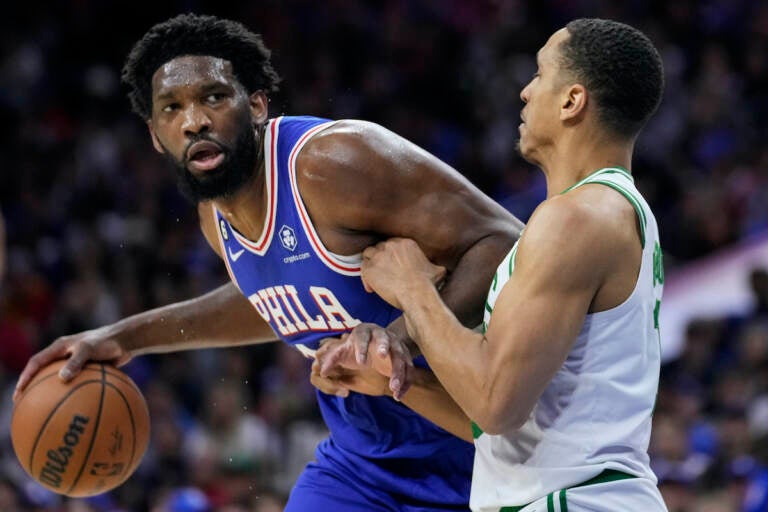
[574, 102]
[258, 105]
[155, 141]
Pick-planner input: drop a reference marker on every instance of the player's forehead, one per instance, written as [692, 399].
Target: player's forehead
[190, 71]
[550, 52]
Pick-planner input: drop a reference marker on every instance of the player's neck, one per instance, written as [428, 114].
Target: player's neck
[247, 209]
[576, 157]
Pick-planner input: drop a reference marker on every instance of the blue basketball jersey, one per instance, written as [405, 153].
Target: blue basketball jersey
[307, 293]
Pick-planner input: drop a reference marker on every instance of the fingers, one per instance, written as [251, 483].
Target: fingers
[398, 378]
[404, 385]
[401, 361]
[368, 252]
[380, 338]
[333, 356]
[36, 362]
[440, 272]
[29, 371]
[75, 363]
[366, 286]
[329, 385]
[326, 345]
[360, 337]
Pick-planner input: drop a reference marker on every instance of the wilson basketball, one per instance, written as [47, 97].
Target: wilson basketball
[84, 437]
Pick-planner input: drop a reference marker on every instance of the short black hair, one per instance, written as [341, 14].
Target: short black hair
[620, 67]
[191, 34]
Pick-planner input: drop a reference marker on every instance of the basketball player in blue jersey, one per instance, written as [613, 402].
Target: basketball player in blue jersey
[289, 204]
[562, 382]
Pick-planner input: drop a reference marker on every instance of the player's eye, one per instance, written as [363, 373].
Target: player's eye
[215, 97]
[170, 107]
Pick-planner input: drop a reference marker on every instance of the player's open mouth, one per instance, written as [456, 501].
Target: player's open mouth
[204, 156]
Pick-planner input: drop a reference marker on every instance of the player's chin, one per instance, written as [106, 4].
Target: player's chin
[520, 146]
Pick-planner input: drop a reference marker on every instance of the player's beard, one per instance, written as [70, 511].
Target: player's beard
[237, 168]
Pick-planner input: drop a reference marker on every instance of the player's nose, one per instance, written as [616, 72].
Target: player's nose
[524, 94]
[195, 120]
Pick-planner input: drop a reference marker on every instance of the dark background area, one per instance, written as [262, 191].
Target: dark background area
[97, 231]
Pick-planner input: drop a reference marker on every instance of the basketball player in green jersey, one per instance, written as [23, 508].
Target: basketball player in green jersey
[561, 383]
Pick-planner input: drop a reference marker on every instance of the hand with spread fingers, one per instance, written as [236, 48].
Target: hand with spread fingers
[78, 349]
[346, 374]
[391, 356]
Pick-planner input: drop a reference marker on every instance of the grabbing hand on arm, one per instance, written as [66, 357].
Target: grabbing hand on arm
[370, 378]
[426, 395]
[504, 371]
[391, 342]
[387, 344]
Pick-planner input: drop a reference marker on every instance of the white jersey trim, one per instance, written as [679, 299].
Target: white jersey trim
[220, 236]
[270, 175]
[345, 265]
[260, 246]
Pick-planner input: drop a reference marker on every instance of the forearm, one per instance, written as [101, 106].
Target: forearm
[464, 293]
[220, 318]
[466, 289]
[429, 398]
[440, 337]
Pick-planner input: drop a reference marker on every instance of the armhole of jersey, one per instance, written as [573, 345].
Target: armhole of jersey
[642, 220]
[222, 246]
[345, 265]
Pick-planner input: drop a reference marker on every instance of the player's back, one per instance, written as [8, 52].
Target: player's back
[308, 293]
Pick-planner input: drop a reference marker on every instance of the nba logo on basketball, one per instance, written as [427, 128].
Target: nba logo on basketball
[288, 238]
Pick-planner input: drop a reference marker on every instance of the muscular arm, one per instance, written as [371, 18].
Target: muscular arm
[561, 262]
[429, 398]
[426, 389]
[362, 184]
[220, 318]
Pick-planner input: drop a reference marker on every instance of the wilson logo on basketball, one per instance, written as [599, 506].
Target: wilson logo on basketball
[57, 460]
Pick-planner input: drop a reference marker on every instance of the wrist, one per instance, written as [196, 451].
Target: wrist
[123, 334]
[416, 294]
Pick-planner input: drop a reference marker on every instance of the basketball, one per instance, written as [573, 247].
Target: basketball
[84, 437]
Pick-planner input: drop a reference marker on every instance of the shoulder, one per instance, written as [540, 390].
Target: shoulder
[353, 132]
[563, 217]
[574, 232]
[584, 214]
[353, 144]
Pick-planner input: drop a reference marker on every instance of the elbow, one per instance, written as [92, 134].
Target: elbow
[500, 417]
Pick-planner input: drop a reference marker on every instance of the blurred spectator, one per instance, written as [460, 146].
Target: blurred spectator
[232, 450]
[185, 499]
[2, 247]
[95, 229]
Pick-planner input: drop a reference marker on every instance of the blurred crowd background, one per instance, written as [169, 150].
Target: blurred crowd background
[96, 230]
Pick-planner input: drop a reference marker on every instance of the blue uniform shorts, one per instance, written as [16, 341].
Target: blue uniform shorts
[328, 489]
[340, 481]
